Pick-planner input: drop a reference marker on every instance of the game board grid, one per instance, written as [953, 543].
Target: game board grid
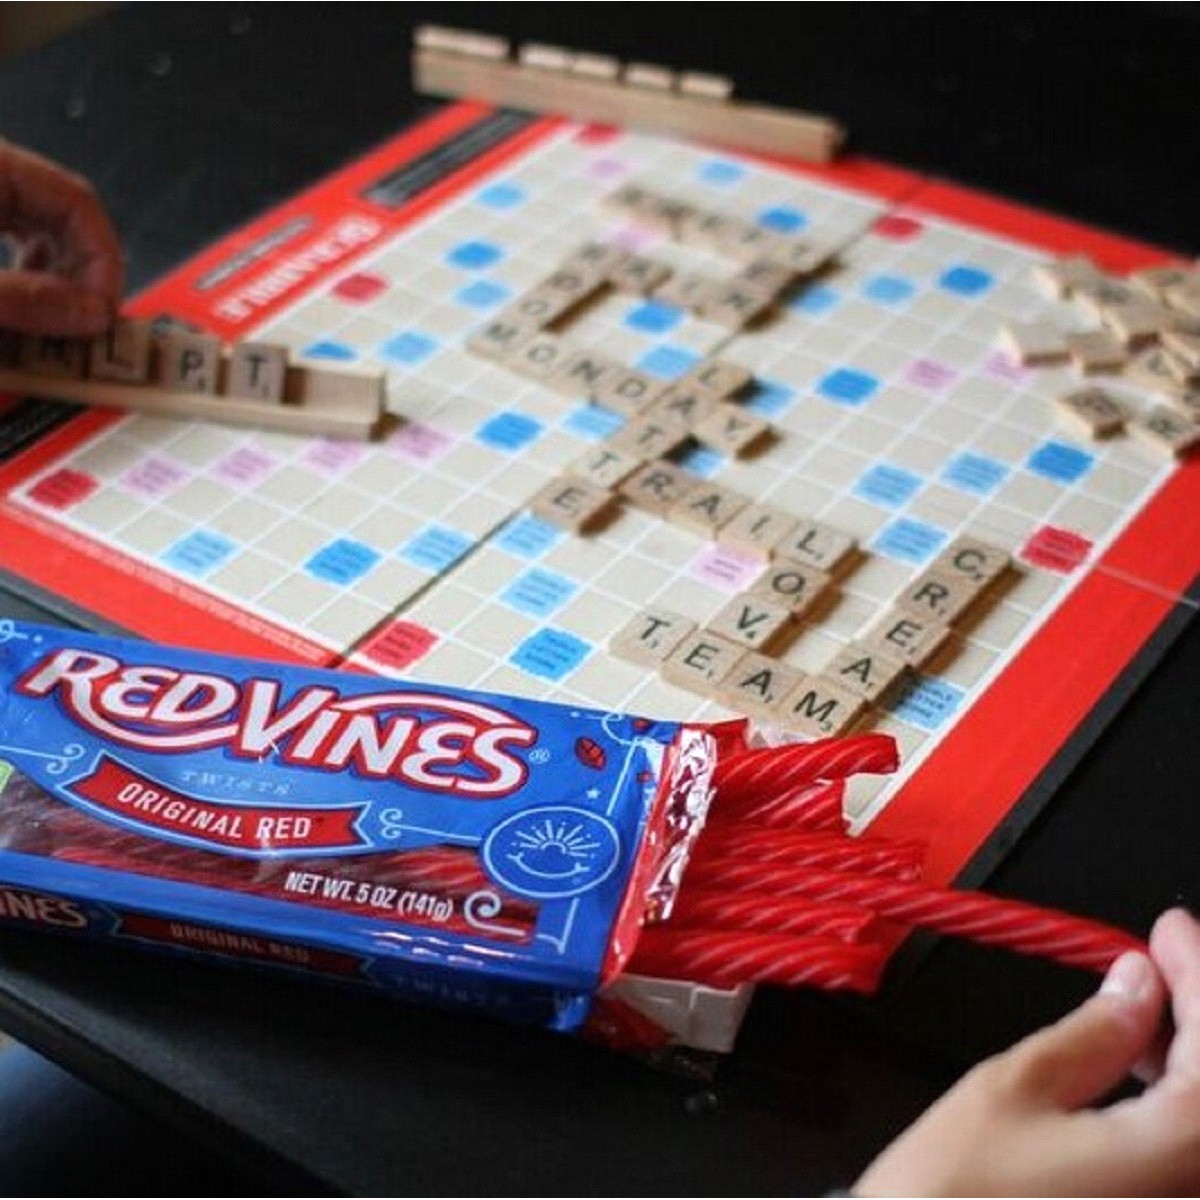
[461, 603]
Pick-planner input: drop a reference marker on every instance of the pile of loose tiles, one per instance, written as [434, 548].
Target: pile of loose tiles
[1148, 336]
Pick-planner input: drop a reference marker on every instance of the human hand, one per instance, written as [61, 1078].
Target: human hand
[1020, 1123]
[67, 275]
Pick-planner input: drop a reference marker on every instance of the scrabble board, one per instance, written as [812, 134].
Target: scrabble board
[898, 420]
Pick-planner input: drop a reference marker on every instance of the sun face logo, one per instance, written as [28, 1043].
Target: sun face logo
[551, 853]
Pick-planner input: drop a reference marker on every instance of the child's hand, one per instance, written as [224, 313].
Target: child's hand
[66, 275]
[1019, 1124]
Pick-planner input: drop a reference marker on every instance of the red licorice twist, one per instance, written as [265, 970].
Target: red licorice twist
[991, 920]
[753, 873]
[750, 913]
[815, 806]
[764, 773]
[725, 960]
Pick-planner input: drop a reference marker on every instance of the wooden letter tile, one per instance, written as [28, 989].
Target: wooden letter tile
[657, 487]
[645, 439]
[1185, 346]
[541, 356]
[766, 276]
[1168, 431]
[722, 377]
[651, 636]
[682, 403]
[627, 391]
[914, 639]
[258, 371]
[757, 529]
[649, 75]
[1159, 370]
[707, 230]
[604, 466]
[734, 306]
[502, 337]
[731, 430]
[686, 290]
[639, 274]
[817, 545]
[757, 684]
[62, 358]
[705, 86]
[1092, 412]
[752, 621]
[122, 355]
[865, 670]
[794, 584]
[933, 596]
[1136, 323]
[1033, 343]
[600, 257]
[1060, 277]
[596, 66]
[819, 708]
[1096, 352]
[1156, 282]
[544, 58]
[802, 256]
[972, 559]
[583, 373]
[706, 508]
[702, 662]
[573, 504]
[190, 362]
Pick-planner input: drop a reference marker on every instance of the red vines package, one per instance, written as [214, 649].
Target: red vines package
[472, 850]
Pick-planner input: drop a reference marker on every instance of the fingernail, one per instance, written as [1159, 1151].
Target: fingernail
[1131, 977]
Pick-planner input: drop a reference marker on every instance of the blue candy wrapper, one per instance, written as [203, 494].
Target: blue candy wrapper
[477, 851]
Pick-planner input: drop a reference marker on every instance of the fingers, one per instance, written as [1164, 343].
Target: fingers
[35, 302]
[37, 195]
[1175, 945]
[1077, 1060]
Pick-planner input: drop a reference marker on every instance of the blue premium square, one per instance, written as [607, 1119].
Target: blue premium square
[538, 592]
[701, 460]
[926, 702]
[966, 281]
[550, 654]
[1060, 462]
[782, 219]
[888, 289]
[342, 561]
[408, 348]
[720, 172]
[509, 431]
[847, 386]
[974, 473]
[482, 293]
[816, 301]
[331, 350]
[501, 196]
[593, 422]
[909, 541]
[436, 548]
[887, 485]
[668, 362]
[475, 256]
[653, 316]
[527, 537]
[199, 552]
[768, 398]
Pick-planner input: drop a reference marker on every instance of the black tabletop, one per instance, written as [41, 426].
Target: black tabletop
[191, 119]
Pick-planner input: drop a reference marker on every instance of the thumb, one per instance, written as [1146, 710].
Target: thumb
[1077, 1060]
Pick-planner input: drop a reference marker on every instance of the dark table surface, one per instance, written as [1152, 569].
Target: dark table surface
[192, 118]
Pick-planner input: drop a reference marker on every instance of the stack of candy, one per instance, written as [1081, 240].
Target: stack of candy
[777, 891]
[590, 872]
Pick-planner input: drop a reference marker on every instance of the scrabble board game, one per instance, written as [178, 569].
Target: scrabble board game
[898, 420]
